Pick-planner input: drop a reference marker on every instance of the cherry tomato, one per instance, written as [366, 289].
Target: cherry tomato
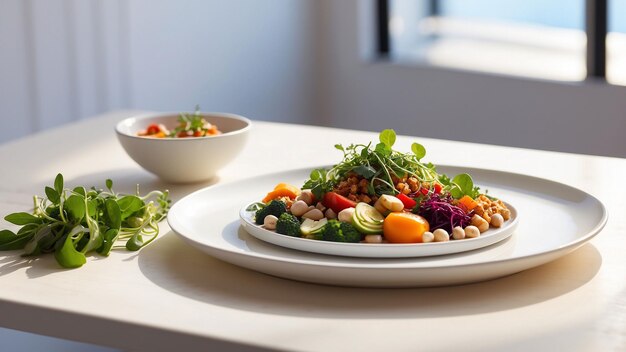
[408, 202]
[437, 188]
[337, 202]
[153, 129]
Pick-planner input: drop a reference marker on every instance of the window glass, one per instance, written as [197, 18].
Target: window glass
[616, 43]
[529, 38]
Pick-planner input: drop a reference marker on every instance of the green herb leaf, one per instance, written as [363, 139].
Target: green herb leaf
[67, 255]
[383, 149]
[388, 137]
[22, 219]
[255, 206]
[113, 214]
[80, 190]
[109, 184]
[135, 243]
[58, 184]
[340, 147]
[75, 207]
[364, 170]
[52, 195]
[129, 205]
[110, 236]
[418, 150]
[10, 241]
[462, 184]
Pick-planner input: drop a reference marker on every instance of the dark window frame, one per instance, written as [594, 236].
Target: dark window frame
[596, 13]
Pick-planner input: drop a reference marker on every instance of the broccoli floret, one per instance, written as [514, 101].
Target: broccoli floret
[276, 208]
[337, 231]
[289, 225]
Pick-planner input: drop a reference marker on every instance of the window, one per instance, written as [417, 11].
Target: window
[561, 40]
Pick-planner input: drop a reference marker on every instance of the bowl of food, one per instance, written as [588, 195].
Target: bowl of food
[183, 147]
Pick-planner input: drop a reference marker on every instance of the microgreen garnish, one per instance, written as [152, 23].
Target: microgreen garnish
[379, 165]
[75, 222]
[191, 124]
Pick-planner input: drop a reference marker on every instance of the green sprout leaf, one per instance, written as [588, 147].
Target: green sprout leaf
[67, 255]
[22, 219]
[73, 223]
[388, 137]
[58, 184]
[418, 150]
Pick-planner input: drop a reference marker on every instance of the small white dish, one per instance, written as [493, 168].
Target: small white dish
[555, 219]
[382, 250]
[184, 160]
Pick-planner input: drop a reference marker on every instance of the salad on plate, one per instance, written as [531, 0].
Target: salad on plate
[380, 195]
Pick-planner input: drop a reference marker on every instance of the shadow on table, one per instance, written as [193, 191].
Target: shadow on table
[35, 266]
[184, 270]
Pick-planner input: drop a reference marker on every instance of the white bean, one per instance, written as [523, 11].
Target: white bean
[374, 239]
[380, 207]
[313, 214]
[428, 237]
[330, 214]
[392, 203]
[270, 222]
[458, 233]
[346, 215]
[306, 196]
[320, 206]
[497, 220]
[472, 231]
[441, 235]
[299, 207]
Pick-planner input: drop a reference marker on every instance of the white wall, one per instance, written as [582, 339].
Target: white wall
[583, 118]
[64, 60]
[245, 56]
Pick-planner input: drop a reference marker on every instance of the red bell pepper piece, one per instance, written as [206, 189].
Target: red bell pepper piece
[408, 202]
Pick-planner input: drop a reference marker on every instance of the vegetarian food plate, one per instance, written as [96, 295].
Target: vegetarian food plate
[555, 219]
[380, 202]
[378, 250]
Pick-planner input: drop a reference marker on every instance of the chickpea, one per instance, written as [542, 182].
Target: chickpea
[472, 232]
[299, 208]
[428, 237]
[270, 222]
[346, 215]
[374, 239]
[458, 233]
[497, 220]
[441, 235]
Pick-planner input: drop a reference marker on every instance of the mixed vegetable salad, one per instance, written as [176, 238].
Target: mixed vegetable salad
[188, 126]
[379, 195]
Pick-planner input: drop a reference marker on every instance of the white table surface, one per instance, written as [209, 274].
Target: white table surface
[170, 296]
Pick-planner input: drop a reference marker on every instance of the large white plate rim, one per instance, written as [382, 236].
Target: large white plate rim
[547, 253]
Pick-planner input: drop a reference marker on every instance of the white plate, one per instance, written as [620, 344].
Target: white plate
[383, 250]
[557, 219]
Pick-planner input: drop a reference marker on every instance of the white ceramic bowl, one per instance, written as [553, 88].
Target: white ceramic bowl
[184, 160]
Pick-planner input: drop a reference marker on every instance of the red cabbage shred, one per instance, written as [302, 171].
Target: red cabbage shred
[441, 214]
